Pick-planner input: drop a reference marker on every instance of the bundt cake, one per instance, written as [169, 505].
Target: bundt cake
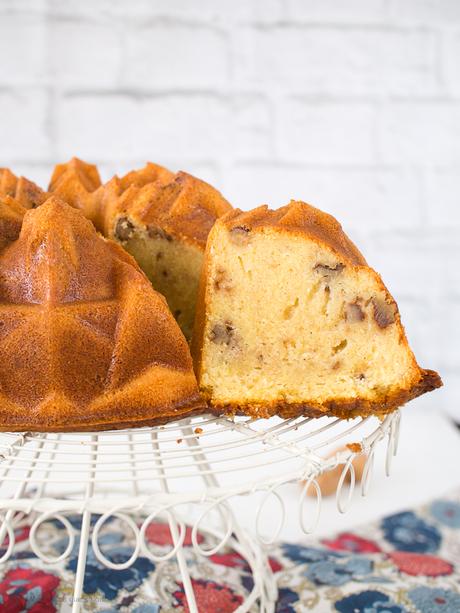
[86, 343]
[162, 219]
[291, 320]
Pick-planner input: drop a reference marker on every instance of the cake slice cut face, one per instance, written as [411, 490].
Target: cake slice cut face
[291, 320]
[85, 341]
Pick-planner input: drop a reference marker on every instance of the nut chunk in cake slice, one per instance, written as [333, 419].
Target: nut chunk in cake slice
[86, 343]
[291, 320]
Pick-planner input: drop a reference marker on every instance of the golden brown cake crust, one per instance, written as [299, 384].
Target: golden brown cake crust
[85, 341]
[151, 173]
[153, 197]
[11, 216]
[179, 205]
[298, 218]
[56, 426]
[79, 184]
[17, 195]
[76, 172]
[342, 408]
[22, 190]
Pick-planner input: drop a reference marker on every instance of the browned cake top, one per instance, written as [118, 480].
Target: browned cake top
[25, 192]
[85, 341]
[183, 206]
[149, 174]
[77, 183]
[299, 218]
[176, 204]
[81, 172]
[11, 216]
[16, 196]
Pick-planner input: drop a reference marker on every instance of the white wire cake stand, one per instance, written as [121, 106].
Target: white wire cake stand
[187, 473]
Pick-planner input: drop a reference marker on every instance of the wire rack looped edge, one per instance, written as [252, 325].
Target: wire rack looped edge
[41, 455]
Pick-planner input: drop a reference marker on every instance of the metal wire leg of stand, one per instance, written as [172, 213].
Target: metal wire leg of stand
[84, 533]
[269, 591]
[188, 589]
[20, 490]
[288, 451]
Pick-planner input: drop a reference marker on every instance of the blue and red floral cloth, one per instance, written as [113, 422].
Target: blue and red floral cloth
[407, 562]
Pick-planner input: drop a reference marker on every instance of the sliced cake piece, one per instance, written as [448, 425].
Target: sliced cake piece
[86, 343]
[291, 320]
[164, 223]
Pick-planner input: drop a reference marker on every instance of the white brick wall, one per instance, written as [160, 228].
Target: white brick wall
[353, 106]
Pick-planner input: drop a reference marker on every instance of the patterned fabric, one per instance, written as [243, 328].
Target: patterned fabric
[407, 562]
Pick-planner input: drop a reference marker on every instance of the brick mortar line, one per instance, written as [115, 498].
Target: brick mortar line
[221, 22]
[344, 26]
[221, 93]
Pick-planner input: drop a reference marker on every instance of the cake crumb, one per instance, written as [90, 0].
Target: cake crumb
[179, 440]
[198, 430]
[355, 447]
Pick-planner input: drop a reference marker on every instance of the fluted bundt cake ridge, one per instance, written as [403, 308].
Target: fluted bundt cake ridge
[11, 216]
[86, 342]
[79, 171]
[79, 184]
[150, 173]
[17, 195]
[24, 191]
[179, 205]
